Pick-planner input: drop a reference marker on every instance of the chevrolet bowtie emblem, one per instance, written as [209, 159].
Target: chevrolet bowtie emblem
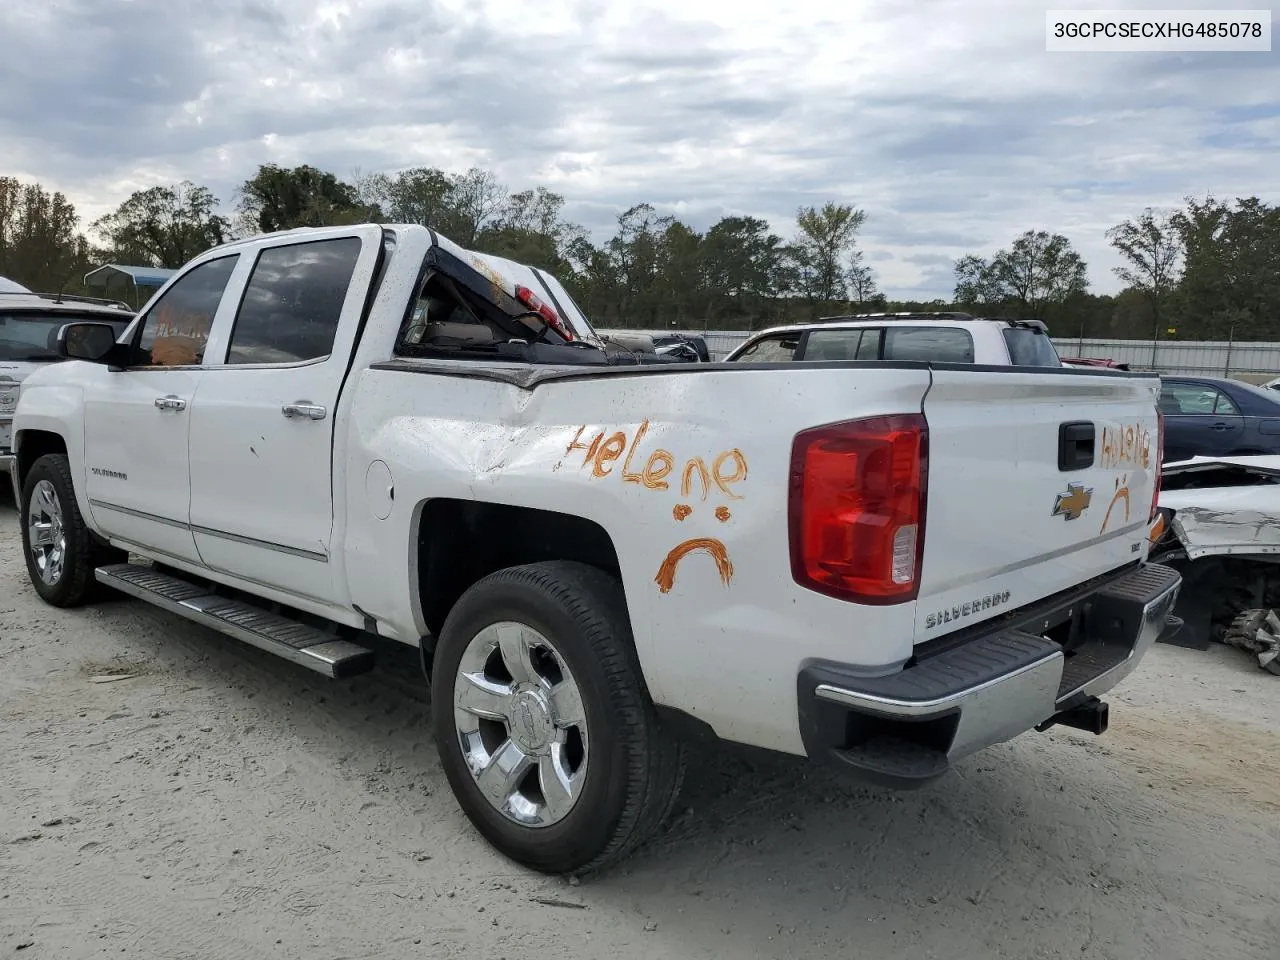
[1074, 502]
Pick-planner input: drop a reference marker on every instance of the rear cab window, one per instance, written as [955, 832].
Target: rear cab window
[461, 314]
[1030, 347]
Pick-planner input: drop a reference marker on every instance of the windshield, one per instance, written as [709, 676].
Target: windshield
[32, 336]
[1029, 347]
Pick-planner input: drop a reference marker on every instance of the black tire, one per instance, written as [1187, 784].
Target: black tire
[635, 768]
[76, 584]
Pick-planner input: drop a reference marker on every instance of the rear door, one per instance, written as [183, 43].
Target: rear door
[262, 421]
[1200, 420]
[1037, 482]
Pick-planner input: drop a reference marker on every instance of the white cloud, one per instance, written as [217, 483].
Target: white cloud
[947, 121]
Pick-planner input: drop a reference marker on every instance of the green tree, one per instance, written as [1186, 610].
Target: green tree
[164, 226]
[742, 264]
[1151, 246]
[39, 244]
[1231, 275]
[825, 240]
[1040, 270]
[279, 198]
[862, 282]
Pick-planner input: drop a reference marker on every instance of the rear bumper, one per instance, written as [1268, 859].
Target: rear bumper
[905, 730]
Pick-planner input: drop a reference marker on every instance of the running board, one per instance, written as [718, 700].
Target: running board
[296, 642]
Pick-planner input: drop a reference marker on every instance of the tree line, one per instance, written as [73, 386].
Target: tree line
[1207, 270]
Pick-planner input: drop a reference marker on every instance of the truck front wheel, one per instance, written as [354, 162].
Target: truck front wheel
[544, 726]
[60, 551]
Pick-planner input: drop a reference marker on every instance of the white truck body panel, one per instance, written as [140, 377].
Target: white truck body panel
[259, 505]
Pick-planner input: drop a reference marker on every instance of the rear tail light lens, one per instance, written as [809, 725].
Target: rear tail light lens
[548, 313]
[857, 504]
[1155, 489]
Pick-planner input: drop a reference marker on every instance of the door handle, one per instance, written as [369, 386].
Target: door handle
[170, 402]
[304, 409]
[1221, 426]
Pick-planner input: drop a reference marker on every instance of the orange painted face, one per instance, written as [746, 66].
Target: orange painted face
[728, 468]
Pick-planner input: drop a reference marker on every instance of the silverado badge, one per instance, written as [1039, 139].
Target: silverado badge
[1072, 503]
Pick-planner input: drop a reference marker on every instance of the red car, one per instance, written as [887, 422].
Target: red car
[1092, 362]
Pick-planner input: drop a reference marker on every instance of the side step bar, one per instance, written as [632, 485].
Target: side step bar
[296, 642]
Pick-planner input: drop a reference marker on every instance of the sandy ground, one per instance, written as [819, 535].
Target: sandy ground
[225, 804]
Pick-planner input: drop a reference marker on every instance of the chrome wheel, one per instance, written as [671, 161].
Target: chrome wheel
[47, 538]
[521, 725]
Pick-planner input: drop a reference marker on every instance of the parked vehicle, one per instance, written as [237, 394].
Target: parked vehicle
[1220, 518]
[686, 347]
[1217, 417]
[328, 435]
[1094, 362]
[930, 337]
[29, 325]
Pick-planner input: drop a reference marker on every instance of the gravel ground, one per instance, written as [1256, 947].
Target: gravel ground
[224, 804]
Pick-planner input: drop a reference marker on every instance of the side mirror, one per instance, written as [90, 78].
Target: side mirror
[87, 341]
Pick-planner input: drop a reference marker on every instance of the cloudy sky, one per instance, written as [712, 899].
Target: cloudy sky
[946, 121]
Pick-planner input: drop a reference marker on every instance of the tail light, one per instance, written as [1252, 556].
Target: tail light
[534, 303]
[1155, 488]
[857, 503]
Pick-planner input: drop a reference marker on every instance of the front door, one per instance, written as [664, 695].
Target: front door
[262, 425]
[137, 420]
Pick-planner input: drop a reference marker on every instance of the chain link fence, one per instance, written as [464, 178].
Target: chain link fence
[1250, 361]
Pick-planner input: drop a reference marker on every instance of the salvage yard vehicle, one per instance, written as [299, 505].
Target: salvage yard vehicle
[1217, 417]
[929, 337]
[390, 436]
[1220, 522]
[29, 325]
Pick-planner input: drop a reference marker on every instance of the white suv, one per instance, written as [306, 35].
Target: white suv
[29, 326]
[925, 337]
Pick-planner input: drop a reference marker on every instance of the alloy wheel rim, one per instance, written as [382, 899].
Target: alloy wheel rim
[521, 724]
[46, 535]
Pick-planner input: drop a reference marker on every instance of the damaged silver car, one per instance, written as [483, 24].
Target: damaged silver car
[1221, 531]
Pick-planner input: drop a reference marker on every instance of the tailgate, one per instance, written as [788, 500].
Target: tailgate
[1005, 525]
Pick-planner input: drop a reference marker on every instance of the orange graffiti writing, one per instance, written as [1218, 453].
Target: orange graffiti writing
[727, 468]
[681, 510]
[659, 464]
[609, 451]
[1122, 493]
[666, 576]
[686, 481]
[1129, 444]
[722, 514]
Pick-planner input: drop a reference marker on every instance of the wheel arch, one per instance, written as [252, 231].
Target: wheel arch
[30, 445]
[454, 543]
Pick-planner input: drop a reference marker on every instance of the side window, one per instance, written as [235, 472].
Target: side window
[175, 330]
[930, 344]
[1193, 399]
[860, 344]
[293, 302]
[770, 350]
[1224, 407]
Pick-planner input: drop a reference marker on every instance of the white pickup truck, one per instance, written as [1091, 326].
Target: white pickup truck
[313, 437]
